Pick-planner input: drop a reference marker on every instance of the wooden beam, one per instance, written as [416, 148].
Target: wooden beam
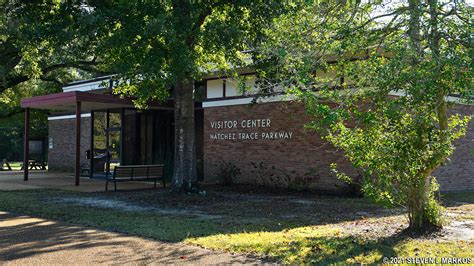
[67, 100]
[78, 143]
[107, 153]
[26, 144]
[122, 130]
[91, 174]
[224, 84]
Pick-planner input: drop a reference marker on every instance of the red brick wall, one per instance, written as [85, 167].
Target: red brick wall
[458, 173]
[303, 160]
[62, 156]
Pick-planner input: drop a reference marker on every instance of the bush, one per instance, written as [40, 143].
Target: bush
[227, 172]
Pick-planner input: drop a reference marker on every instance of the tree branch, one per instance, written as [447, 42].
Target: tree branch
[18, 79]
[13, 81]
[51, 79]
[396, 12]
[75, 64]
[201, 19]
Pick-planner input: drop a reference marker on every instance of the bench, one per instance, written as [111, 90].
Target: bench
[127, 173]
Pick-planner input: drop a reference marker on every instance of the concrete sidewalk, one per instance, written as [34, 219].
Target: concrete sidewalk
[13, 180]
[32, 241]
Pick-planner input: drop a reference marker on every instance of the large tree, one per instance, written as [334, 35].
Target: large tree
[40, 38]
[43, 45]
[377, 78]
[159, 48]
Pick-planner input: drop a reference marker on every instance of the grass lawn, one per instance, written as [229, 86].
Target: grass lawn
[278, 226]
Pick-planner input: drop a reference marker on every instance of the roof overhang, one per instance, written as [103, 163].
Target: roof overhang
[67, 101]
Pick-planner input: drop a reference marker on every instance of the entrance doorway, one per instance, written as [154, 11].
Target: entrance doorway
[148, 138]
[137, 137]
[106, 141]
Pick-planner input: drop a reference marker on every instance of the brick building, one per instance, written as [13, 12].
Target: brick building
[266, 141]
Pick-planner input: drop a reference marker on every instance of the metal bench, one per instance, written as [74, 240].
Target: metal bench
[127, 173]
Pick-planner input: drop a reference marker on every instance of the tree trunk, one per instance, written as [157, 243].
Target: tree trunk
[184, 174]
[414, 27]
[434, 38]
[423, 212]
[419, 212]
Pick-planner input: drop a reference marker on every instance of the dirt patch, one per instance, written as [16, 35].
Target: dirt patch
[243, 207]
[460, 230]
[247, 203]
[103, 203]
[122, 205]
[385, 227]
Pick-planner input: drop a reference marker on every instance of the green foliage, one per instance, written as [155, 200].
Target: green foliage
[43, 45]
[228, 172]
[376, 80]
[159, 49]
[433, 208]
[12, 119]
[154, 46]
[11, 134]
[44, 41]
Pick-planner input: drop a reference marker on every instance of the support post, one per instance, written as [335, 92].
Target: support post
[78, 143]
[91, 174]
[107, 153]
[122, 130]
[26, 144]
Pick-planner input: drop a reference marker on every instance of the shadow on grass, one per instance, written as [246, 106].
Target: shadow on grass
[177, 218]
[24, 237]
[222, 213]
[335, 250]
[323, 248]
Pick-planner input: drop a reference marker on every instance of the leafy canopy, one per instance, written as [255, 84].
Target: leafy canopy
[155, 46]
[43, 45]
[376, 78]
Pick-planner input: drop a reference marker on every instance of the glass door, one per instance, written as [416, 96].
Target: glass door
[106, 142]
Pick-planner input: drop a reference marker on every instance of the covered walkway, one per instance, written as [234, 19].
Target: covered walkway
[77, 102]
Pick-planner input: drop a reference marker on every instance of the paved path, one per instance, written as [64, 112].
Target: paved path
[13, 180]
[32, 241]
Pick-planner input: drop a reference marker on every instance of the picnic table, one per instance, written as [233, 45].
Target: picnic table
[5, 163]
[36, 165]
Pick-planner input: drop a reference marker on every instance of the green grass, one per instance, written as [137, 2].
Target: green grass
[16, 164]
[466, 217]
[140, 223]
[163, 227]
[326, 244]
[273, 238]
